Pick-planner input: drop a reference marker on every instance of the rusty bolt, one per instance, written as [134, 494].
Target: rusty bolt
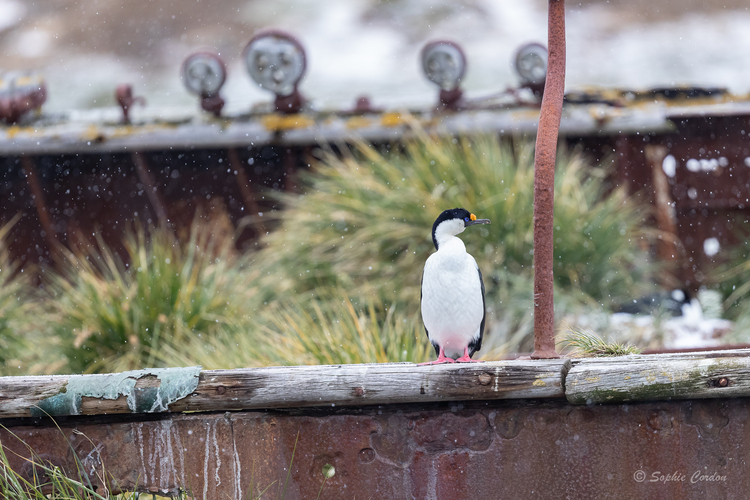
[485, 379]
[366, 455]
[364, 105]
[359, 391]
[723, 382]
[126, 100]
[221, 389]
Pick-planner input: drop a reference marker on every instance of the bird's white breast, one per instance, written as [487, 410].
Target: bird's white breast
[452, 306]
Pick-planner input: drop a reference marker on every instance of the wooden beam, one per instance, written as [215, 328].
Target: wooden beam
[714, 374]
[658, 377]
[172, 390]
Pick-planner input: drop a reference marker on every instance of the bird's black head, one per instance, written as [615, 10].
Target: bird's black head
[457, 214]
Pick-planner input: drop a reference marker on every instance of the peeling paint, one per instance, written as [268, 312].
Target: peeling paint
[174, 384]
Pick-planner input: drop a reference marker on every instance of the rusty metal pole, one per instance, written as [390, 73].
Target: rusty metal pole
[544, 185]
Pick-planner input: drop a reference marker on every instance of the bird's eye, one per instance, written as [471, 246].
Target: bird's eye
[466, 219]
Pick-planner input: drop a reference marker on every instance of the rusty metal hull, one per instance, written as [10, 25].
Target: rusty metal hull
[98, 180]
[66, 200]
[667, 450]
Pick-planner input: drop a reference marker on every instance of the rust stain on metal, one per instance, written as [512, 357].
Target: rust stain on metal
[667, 246]
[249, 197]
[544, 185]
[149, 186]
[41, 207]
[458, 451]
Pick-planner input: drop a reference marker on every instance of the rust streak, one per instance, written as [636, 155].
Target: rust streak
[248, 195]
[41, 207]
[150, 187]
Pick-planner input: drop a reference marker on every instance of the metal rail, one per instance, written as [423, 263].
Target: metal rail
[101, 132]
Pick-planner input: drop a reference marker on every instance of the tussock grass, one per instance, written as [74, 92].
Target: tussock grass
[14, 301]
[731, 278]
[336, 329]
[589, 344]
[377, 209]
[114, 315]
[23, 347]
[363, 224]
[324, 330]
[338, 280]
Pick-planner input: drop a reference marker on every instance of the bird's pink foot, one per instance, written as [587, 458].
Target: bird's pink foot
[466, 358]
[437, 362]
[440, 360]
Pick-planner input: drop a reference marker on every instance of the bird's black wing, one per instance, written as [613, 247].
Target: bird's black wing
[434, 345]
[476, 345]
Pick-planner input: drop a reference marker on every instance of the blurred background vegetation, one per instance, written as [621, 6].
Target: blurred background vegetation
[337, 278]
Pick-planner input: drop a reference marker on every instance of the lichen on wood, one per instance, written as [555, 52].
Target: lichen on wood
[659, 377]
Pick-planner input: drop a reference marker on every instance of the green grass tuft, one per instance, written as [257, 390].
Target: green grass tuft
[324, 330]
[338, 280]
[589, 344]
[24, 349]
[363, 224]
[14, 301]
[114, 316]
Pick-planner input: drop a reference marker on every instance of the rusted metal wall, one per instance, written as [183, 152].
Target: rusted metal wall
[68, 199]
[707, 164]
[67, 190]
[529, 449]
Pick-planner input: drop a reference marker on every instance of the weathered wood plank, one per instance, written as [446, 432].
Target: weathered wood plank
[655, 377]
[141, 391]
[369, 384]
[278, 387]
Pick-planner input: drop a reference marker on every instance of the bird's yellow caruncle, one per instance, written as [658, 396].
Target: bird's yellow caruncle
[473, 217]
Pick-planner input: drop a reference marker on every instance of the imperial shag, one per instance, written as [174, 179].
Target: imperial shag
[453, 291]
